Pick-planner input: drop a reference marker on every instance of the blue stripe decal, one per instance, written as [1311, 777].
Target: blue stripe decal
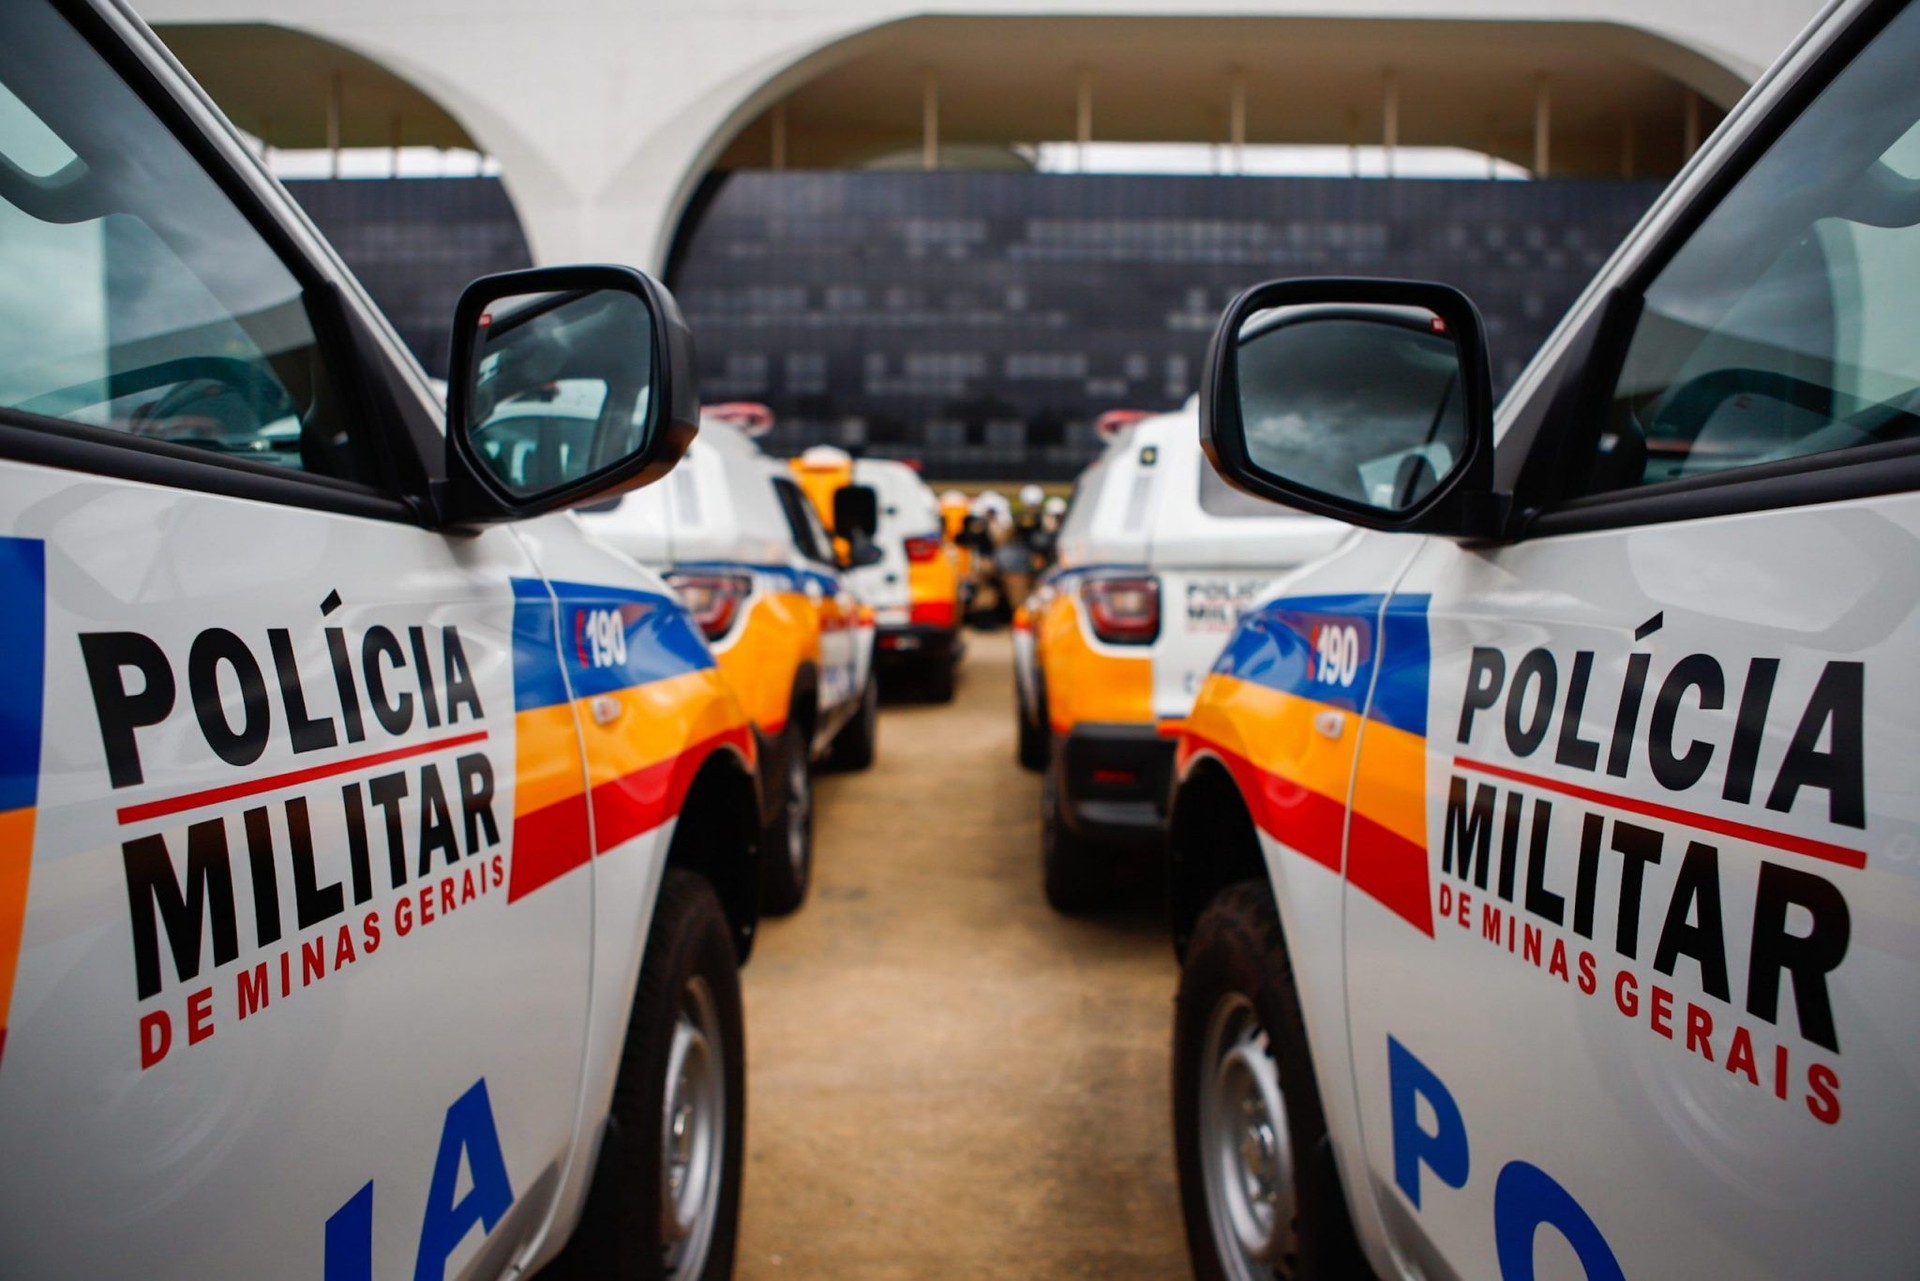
[650, 638]
[23, 627]
[537, 681]
[1400, 693]
[1326, 648]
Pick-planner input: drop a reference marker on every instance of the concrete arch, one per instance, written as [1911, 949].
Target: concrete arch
[605, 118]
[1605, 69]
[294, 88]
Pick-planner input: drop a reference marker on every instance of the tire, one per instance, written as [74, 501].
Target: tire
[1036, 744]
[786, 847]
[1243, 1083]
[684, 1055]
[1078, 876]
[938, 679]
[853, 745]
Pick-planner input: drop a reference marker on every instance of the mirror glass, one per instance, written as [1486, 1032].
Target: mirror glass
[1361, 403]
[561, 387]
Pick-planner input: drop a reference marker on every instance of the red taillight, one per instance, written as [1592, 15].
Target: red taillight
[931, 613]
[714, 600]
[1123, 611]
[924, 549]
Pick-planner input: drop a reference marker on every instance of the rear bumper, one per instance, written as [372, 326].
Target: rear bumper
[901, 646]
[1113, 784]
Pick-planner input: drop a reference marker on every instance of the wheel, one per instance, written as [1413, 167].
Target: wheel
[665, 1200]
[1078, 876]
[939, 679]
[1035, 740]
[786, 848]
[1258, 1188]
[853, 745]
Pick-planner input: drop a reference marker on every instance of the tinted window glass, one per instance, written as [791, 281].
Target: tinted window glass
[1784, 326]
[133, 295]
[808, 535]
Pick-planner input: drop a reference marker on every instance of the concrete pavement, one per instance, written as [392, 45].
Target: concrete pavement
[945, 1078]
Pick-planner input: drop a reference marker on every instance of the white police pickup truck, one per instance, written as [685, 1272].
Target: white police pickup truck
[1156, 558]
[375, 856]
[738, 540]
[1544, 862]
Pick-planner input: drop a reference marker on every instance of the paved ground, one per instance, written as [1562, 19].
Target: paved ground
[945, 1079]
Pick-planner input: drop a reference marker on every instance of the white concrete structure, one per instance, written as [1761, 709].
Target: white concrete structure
[605, 116]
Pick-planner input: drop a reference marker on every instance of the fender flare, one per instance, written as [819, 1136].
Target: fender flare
[718, 833]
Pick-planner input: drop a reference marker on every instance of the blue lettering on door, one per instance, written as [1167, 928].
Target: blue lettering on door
[468, 1136]
[1445, 1150]
[1525, 1197]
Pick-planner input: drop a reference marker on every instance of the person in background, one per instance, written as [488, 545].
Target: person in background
[1053, 514]
[1020, 556]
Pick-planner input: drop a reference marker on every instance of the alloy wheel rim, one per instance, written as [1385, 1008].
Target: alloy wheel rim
[1246, 1152]
[693, 1128]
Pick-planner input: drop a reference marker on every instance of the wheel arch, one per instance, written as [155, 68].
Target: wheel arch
[718, 838]
[803, 701]
[1211, 844]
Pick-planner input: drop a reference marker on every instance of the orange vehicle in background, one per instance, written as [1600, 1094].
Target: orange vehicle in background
[954, 509]
[908, 572]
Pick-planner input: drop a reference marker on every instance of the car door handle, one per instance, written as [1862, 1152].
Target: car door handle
[606, 710]
[1330, 723]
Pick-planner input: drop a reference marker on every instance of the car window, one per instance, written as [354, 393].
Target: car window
[802, 521]
[1783, 327]
[133, 295]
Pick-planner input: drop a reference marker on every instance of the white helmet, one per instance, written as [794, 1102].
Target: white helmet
[993, 504]
[1054, 506]
[952, 498]
[1032, 495]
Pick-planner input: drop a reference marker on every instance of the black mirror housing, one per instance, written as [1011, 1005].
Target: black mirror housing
[567, 385]
[856, 512]
[1406, 491]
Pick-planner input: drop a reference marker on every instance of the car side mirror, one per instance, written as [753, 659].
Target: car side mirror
[1366, 400]
[856, 512]
[567, 385]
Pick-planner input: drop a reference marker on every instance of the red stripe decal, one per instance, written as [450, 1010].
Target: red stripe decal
[547, 844]
[292, 778]
[550, 842]
[646, 798]
[1291, 814]
[1383, 865]
[1667, 813]
[1391, 870]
